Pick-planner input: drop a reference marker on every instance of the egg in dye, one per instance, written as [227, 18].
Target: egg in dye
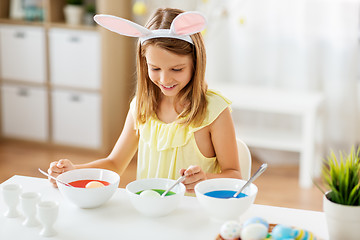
[149, 193]
[94, 184]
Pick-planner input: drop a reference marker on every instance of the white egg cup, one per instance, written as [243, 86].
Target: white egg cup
[11, 193]
[48, 212]
[28, 201]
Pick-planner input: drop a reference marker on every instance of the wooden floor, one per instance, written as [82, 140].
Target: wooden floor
[278, 186]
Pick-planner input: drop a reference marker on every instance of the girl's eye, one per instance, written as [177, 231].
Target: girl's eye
[177, 69]
[155, 69]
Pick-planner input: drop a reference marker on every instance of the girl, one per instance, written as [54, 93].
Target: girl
[177, 126]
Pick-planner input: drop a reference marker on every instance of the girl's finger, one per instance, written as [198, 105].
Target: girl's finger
[54, 169]
[63, 163]
[191, 186]
[181, 172]
[191, 170]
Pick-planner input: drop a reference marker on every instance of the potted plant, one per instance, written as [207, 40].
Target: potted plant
[74, 12]
[90, 11]
[341, 203]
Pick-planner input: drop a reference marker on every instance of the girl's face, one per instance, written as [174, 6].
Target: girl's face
[169, 71]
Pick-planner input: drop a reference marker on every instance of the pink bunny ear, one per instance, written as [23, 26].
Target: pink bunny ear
[121, 26]
[188, 23]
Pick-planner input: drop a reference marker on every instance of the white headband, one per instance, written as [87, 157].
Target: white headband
[182, 27]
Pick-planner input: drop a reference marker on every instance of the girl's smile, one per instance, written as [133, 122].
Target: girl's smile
[168, 87]
[170, 72]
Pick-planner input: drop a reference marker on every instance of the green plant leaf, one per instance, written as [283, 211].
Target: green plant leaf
[353, 198]
[341, 174]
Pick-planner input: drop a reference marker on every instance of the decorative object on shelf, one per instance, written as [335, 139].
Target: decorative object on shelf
[33, 10]
[16, 9]
[90, 11]
[74, 12]
[341, 203]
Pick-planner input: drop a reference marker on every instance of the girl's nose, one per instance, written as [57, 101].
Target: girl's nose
[164, 78]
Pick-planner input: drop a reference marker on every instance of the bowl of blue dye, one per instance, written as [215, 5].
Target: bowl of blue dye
[215, 197]
[145, 196]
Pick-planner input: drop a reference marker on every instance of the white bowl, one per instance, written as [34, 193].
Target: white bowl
[225, 209]
[89, 197]
[155, 206]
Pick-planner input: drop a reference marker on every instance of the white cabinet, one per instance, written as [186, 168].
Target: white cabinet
[75, 63]
[22, 55]
[24, 112]
[70, 72]
[75, 58]
[76, 118]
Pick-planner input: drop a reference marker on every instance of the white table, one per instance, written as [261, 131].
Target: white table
[117, 219]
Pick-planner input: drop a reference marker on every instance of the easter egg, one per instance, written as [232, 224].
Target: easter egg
[254, 231]
[149, 193]
[301, 234]
[230, 230]
[256, 220]
[94, 184]
[282, 232]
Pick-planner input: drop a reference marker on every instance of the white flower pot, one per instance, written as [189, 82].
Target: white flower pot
[343, 221]
[74, 14]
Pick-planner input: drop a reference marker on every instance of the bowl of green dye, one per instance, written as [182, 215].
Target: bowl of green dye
[153, 205]
[215, 197]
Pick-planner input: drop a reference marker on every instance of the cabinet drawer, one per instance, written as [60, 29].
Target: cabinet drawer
[24, 112]
[76, 118]
[22, 54]
[75, 58]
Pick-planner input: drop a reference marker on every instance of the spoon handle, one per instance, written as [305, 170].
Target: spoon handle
[180, 179]
[261, 169]
[66, 184]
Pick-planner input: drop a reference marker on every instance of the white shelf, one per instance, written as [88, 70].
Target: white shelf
[270, 138]
[58, 57]
[271, 100]
[302, 105]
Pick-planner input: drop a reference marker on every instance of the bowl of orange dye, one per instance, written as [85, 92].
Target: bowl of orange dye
[90, 187]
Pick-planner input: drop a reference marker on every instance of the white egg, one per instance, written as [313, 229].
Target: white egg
[94, 184]
[255, 231]
[230, 230]
[149, 193]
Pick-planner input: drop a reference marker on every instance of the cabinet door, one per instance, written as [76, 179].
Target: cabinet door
[24, 112]
[76, 118]
[22, 53]
[75, 58]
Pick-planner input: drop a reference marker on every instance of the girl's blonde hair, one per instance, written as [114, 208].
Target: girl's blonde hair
[192, 96]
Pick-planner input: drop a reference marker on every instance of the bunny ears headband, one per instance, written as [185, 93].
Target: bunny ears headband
[182, 27]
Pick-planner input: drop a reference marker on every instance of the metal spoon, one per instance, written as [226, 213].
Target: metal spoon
[180, 179]
[253, 177]
[66, 184]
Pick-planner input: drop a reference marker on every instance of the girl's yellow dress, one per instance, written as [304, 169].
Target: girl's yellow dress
[165, 148]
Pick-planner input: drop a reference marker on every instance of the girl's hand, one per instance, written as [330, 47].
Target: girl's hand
[194, 175]
[58, 167]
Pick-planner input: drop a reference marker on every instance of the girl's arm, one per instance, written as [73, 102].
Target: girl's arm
[223, 137]
[118, 159]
